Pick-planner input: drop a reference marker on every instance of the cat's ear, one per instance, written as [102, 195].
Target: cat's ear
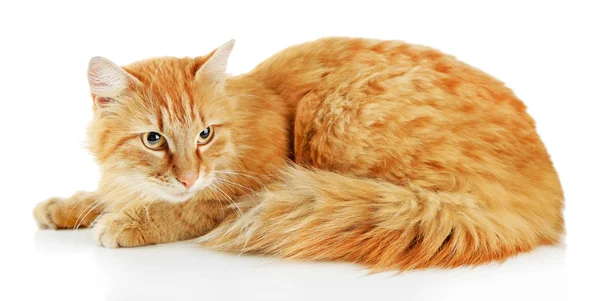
[213, 69]
[107, 80]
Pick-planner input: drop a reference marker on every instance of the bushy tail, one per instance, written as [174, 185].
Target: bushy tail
[319, 215]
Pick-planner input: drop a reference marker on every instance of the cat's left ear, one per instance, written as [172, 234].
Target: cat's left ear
[213, 69]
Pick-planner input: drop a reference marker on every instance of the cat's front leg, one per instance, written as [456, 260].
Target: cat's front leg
[148, 223]
[77, 211]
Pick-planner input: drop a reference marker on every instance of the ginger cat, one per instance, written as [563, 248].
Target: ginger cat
[383, 153]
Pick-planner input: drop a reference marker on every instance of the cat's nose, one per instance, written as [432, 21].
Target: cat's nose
[188, 179]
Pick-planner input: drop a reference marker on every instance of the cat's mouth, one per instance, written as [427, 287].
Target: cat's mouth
[176, 192]
[179, 195]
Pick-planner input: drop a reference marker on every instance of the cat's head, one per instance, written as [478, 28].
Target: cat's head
[165, 127]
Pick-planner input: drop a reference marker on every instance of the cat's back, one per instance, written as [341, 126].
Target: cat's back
[377, 67]
[435, 114]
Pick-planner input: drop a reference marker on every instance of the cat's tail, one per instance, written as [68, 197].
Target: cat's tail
[320, 215]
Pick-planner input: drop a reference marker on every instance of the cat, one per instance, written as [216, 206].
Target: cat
[382, 153]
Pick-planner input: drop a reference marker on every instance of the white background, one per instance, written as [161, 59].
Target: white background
[546, 51]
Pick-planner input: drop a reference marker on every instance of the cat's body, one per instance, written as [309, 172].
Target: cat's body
[403, 158]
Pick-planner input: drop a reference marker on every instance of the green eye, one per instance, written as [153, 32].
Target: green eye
[206, 135]
[153, 140]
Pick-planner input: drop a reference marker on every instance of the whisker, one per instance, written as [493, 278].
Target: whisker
[87, 210]
[236, 184]
[80, 198]
[230, 199]
[241, 178]
[123, 191]
[258, 180]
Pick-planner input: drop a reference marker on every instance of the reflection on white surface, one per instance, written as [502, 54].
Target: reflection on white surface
[184, 271]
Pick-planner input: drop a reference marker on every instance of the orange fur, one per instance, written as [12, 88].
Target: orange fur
[403, 157]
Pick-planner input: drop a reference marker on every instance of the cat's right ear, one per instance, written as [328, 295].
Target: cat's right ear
[107, 80]
[213, 69]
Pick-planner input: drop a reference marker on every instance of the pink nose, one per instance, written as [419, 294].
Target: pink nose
[188, 179]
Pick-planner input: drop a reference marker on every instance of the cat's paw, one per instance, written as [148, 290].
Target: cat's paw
[114, 231]
[77, 211]
[47, 213]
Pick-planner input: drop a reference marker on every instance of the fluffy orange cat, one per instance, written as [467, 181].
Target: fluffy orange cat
[383, 153]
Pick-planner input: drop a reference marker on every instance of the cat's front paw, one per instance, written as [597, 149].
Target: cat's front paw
[47, 214]
[78, 211]
[114, 231]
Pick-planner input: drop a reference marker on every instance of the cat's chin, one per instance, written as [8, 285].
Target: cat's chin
[179, 197]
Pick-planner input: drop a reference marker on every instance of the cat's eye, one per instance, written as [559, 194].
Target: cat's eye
[206, 135]
[153, 140]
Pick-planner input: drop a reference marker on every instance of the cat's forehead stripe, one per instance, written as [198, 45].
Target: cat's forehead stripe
[170, 84]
